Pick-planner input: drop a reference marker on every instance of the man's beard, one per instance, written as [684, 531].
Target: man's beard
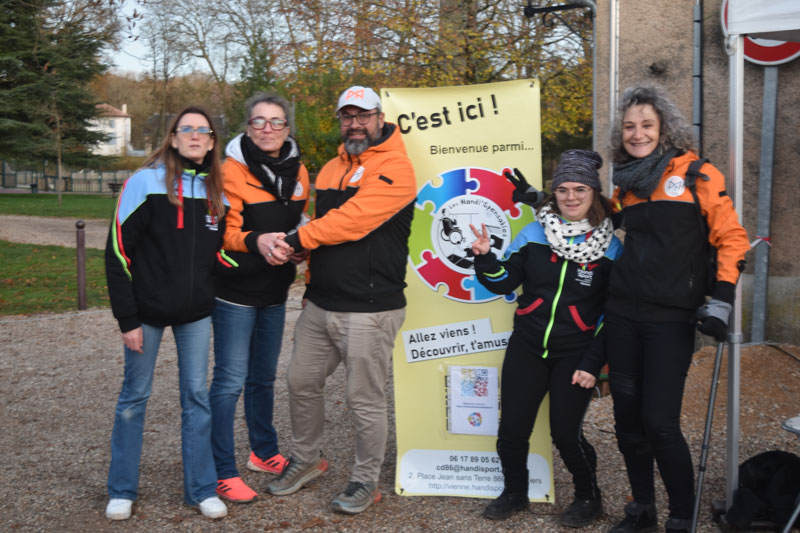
[359, 146]
[356, 146]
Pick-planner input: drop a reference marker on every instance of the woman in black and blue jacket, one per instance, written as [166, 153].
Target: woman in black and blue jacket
[563, 261]
[162, 248]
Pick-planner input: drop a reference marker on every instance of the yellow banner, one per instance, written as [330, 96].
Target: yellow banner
[448, 356]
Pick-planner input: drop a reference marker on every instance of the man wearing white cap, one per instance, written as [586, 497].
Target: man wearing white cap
[355, 302]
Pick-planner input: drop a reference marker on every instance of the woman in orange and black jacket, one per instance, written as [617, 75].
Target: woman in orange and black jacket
[268, 188]
[657, 290]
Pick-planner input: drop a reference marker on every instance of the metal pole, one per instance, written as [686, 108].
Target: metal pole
[697, 76]
[701, 471]
[594, 79]
[81, 248]
[761, 274]
[735, 131]
[613, 72]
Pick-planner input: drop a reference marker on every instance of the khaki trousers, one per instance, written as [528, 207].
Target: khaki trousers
[364, 343]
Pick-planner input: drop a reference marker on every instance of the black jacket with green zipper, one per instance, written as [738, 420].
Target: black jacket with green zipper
[560, 309]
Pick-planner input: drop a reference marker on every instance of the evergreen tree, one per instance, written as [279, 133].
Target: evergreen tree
[45, 101]
[18, 131]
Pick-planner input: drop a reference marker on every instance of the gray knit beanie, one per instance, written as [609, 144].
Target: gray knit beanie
[579, 166]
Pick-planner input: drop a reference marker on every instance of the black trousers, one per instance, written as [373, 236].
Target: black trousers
[525, 379]
[648, 363]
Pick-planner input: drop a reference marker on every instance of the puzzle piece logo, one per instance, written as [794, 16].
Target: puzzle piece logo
[443, 254]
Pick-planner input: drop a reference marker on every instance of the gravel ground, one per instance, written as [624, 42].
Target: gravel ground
[60, 375]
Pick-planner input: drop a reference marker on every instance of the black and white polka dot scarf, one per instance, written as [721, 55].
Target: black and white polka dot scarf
[559, 231]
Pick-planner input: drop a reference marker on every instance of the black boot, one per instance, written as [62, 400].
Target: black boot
[638, 519]
[678, 525]
[581, 513]
[505, 505]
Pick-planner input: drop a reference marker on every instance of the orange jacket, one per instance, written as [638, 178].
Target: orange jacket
[663, 263]
[254, 210]
[245, 192]
[359, 235]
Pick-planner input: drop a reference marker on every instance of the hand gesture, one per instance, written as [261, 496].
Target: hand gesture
[584, 379]
[274, 248]
[482, 244]
[523, 191]
[299, 257]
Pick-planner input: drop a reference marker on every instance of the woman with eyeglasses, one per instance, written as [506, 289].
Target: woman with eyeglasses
[657, 294]
[162, 249]
[268, 189]
[563, 261]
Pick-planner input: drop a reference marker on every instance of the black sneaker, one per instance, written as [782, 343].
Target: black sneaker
[638, 519]
[505, 505]
[581, 513]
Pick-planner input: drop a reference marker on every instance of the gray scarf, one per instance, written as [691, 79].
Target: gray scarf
[641, 176]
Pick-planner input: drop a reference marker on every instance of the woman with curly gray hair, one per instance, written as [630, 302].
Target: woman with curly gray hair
[657, 292]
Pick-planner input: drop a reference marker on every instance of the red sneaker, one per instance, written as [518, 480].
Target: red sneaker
[273, 465]
[235, 490]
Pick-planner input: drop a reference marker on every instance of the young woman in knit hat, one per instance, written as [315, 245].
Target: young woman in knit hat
[563, 261]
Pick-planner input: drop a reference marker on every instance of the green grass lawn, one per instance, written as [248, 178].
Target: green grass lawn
[72, 205]
[37, 278]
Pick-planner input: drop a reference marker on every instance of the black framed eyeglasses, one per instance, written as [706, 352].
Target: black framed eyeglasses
[188, 131]
[363, 118]
[259, 123]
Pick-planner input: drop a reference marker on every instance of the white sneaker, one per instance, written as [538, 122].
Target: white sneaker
[213, 508]
[119, 509]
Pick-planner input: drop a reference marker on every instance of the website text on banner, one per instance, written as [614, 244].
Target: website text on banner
[460, 140]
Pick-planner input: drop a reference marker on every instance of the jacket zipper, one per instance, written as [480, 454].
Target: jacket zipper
[193, 222]
[346, 172]
[555, 304]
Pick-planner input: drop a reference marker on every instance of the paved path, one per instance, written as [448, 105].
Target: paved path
[52, 230]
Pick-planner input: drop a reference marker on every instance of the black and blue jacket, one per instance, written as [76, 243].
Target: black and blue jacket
[560, 309]
[160, 257]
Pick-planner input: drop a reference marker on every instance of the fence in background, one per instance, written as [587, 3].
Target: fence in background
[80, 181]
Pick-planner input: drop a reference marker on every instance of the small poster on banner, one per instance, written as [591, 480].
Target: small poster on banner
[473, 400]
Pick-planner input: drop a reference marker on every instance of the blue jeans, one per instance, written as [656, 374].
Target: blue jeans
[199, 476]
[247, 343]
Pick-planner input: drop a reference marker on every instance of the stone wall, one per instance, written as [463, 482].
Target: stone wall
[655, 45]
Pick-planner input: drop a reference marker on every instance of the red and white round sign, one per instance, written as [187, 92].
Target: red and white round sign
[764, 51]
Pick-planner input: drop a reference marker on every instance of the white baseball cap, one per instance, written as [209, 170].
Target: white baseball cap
[359, 96]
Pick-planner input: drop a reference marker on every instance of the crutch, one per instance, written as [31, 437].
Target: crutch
[707, 435]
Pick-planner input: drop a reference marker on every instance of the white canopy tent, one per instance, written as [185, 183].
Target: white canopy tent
[777, 20]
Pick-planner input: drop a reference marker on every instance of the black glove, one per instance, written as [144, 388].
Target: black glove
[713, 319]
[524, 192]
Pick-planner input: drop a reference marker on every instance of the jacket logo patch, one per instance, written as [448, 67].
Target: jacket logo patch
[212, 222]
[357, 175]
[298, 189]
[674, 186]
[584, 277]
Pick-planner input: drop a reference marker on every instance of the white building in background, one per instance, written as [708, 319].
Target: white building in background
[116, 123]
